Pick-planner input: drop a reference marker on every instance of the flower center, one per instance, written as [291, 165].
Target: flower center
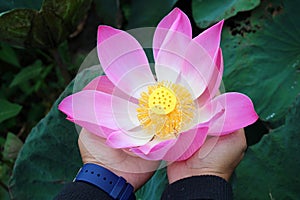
[165, 110]
[162, 101]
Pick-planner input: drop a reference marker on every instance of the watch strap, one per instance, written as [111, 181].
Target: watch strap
[116, 186]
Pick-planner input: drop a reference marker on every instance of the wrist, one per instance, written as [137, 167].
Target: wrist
[116, 186]
[131, 178]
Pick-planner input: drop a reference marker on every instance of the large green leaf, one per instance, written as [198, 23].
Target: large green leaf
[49, 157]
[261, 55]
[207, 12]
[8, 109]
[46, 28]
[270, 168]
[148, 13]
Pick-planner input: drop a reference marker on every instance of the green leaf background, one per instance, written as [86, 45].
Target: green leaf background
[27, 73]
[148, 13]
[50, 156]
[262, 56]
[261, 50]
[270, 168]
[8, 109]
[6, 5]
[45, 28]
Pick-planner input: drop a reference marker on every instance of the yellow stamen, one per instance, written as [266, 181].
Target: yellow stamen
[166, 109]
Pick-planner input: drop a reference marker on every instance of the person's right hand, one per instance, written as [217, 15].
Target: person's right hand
[134, 169]
[218, 156]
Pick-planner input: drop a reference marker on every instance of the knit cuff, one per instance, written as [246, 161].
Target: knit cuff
[199, 187]
[81, 191]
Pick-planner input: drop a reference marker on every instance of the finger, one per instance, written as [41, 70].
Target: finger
[236, 139]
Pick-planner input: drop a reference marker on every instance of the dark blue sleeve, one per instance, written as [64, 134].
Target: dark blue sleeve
[82, 191]
[199, 187]
[196, 187]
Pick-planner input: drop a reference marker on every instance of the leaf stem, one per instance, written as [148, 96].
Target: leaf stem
[62, 68]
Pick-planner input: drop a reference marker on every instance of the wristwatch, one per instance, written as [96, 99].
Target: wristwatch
[116, 186]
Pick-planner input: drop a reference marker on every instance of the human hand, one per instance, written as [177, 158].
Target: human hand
[218, 156]
[134, 169]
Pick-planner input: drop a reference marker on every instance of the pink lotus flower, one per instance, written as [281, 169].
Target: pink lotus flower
[167, 116]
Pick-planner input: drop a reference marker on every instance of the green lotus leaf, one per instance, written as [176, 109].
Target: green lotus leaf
[270, 168]
[261, 55]
[206, 12]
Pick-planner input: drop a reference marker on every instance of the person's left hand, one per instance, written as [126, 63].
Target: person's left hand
[134, 169]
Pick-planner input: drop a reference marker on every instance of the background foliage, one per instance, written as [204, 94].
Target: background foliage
[43, 43]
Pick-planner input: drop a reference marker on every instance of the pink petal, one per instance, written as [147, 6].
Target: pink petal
[175, 21]
[197, 69]
[187, 144]
[177, 149]
[93, 128]
[215, 81]
[200, 68]
[156, 145]
[239, 113]
[154, 151]
[100, 108]
[171, 38]
[123, 60]
[209, 112]
[122, 139]
[103, 84]
[210, 38]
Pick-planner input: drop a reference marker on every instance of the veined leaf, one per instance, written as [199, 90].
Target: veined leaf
[261, 55]
[45, 28]
[270, 168]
